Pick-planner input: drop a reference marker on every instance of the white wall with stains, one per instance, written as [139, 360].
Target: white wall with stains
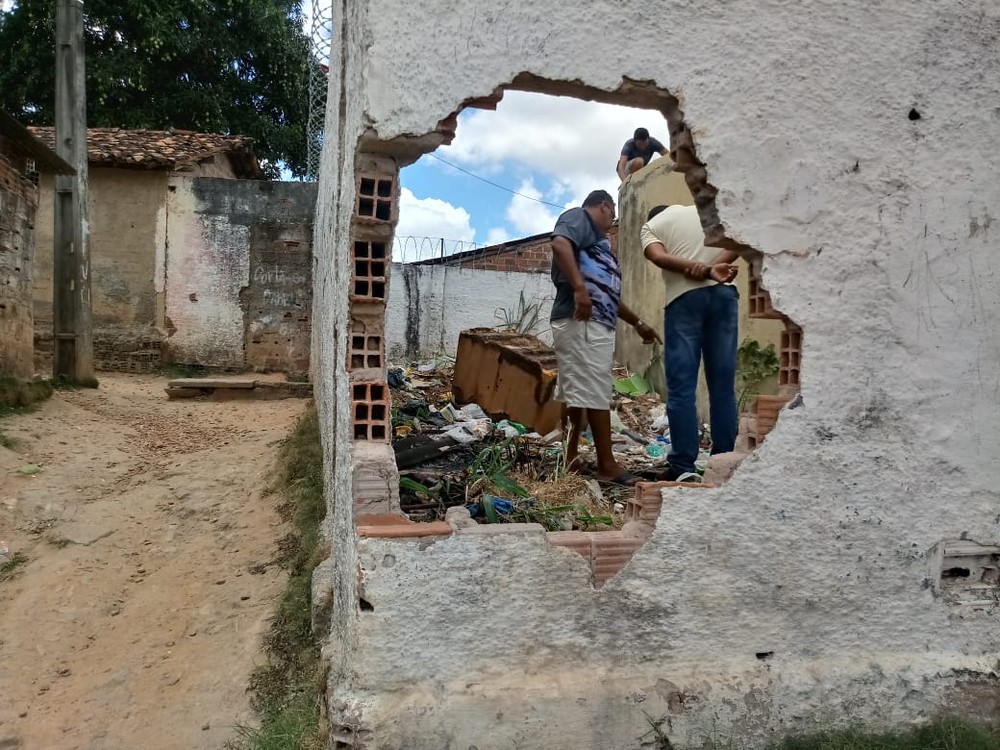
[429, 306]
[855, 145]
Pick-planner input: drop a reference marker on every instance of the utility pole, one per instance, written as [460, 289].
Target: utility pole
[73, 349]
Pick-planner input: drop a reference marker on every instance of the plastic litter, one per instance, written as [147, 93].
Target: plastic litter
[474, 411]
[29, 469]
[656, 450]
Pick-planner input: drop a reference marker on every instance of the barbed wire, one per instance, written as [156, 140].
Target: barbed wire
[319, 15]
[412, 249]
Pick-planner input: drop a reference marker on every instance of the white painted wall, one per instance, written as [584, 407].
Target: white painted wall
[821, 550]
[434, 304]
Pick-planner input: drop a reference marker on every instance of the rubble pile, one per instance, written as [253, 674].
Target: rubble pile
[450, 454]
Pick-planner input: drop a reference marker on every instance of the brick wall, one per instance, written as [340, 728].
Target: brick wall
[530, 256]
[18, 205]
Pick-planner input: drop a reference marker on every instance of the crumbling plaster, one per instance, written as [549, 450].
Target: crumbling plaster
[818, 555]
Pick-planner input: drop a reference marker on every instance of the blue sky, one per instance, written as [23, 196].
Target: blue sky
[554, 149]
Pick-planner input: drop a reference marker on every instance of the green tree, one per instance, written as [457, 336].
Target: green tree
[219, 66]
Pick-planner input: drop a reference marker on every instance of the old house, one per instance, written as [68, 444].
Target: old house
[129, 185]
[22, 157]
[194, 258]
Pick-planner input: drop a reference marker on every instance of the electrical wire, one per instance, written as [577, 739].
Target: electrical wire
[494, 184]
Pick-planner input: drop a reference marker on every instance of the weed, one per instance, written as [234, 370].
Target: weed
[754, 365]
[6, 441]
[287, 692]
[68, 383]
[655, 737]
[11, 568]
[522, 319]
[944, 734]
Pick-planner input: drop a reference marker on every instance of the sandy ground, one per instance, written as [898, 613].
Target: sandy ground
[138, 616]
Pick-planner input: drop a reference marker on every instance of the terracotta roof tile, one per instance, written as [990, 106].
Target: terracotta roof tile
[161, 149]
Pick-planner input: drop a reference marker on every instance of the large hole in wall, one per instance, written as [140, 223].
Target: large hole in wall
[406, 479]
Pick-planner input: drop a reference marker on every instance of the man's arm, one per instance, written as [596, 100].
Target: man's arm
[622, 161]
[562, 252]
[646, 331]
[720, 271]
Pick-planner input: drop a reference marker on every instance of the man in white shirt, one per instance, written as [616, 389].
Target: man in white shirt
[701, 321]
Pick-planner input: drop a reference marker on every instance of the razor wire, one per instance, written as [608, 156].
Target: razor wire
[319, 20]
[411, 249]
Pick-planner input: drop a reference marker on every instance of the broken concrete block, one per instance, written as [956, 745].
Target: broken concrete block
[458, 518]
[721, 466]
[507, 374]
[376, 481]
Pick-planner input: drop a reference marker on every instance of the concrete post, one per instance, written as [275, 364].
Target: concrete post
[73, 354]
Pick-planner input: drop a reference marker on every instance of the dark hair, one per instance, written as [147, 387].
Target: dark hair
[641, 134]
[597, 197]
[655, 210]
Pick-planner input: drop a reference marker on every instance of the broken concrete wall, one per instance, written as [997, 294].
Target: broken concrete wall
[237, 272]
[811, 590]
[428, 306]
[18, 207]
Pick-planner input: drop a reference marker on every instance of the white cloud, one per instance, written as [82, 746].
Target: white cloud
[529, 216]
[576, 143]
[497, 235]
[424, 222]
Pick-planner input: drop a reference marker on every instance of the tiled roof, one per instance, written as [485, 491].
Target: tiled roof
[161, 149]
[31, 146]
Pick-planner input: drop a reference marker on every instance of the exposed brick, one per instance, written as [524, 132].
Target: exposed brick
[377, 197]
[611, 551]
[370, 259]
[790, 356]
[647, 500]
[758, 298]
[507, 373]
[766, 409]
[392, 527]
[370, 409]
[577, 541]
[367, 348]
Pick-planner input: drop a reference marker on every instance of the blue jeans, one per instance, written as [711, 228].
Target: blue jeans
[700, 323]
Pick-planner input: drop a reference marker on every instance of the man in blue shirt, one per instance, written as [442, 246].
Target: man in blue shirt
[637, 152]
[588, 282]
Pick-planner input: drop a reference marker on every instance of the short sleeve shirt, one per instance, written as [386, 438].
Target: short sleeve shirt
[630, 151]
[598, 265]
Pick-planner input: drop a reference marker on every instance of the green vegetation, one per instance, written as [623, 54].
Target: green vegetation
[754, 365]
[220, 67]
[943, 734]
[287, 692]
[11, 568]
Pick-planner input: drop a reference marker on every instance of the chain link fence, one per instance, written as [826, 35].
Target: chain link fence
[319, 27]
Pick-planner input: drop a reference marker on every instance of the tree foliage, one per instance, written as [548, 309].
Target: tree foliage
[217, 66]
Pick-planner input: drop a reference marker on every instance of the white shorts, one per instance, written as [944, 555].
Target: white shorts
[584, 352]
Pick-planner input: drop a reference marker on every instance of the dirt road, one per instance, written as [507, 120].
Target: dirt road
[137, 617]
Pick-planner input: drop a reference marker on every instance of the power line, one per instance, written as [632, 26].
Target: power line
[494, 184]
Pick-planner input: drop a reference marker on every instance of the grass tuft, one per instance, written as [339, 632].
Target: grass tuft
[12, 567]
[943, 734]
[287, 692]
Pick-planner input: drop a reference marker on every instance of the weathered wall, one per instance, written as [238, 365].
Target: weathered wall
[18, 205]
[126, 230]
[237, 263]
[429, 306]
[642, 282]
[808, 590]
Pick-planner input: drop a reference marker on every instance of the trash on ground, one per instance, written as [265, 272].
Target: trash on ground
[451, 454]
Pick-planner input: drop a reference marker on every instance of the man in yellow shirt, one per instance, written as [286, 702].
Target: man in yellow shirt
[700, 322]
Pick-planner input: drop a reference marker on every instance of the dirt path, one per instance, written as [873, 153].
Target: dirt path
[137, 618]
